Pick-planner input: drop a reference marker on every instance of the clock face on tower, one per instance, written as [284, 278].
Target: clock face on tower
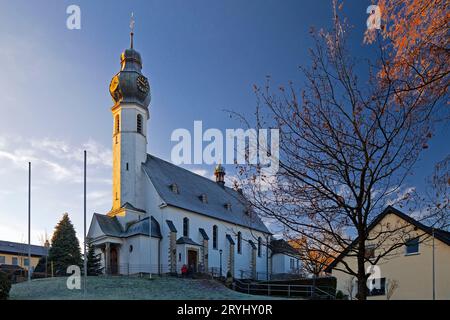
[142, 84]
[114, 84]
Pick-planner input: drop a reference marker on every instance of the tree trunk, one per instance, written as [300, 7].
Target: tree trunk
[362, 278]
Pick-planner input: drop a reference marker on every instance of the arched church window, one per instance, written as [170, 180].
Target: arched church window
[139, 123]
[259, 246]
[117, 124]
[239, 242]
[214, 237]
[186, 227]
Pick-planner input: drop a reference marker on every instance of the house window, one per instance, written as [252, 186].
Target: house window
[139, 123]
[2, 259]
[259, 246]
[377, 287]
[186, 227]
[15, 261]
[127, 166]
[412, 246]
[239, 242]
[370, 252]
[26, 262]
[117, 124]
[292, 262]
[214, 237]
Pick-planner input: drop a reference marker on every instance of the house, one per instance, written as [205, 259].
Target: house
[285, 260]
[163, 216]
[16, 254]
[418, 265]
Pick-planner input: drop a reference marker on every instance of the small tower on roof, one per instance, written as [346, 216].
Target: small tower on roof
[219, 172]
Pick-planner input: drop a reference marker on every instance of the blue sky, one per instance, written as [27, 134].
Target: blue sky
[201, 57]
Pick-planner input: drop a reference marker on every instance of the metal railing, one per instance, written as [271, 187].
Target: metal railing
[263, 276]
[130, 269]
[283, 290]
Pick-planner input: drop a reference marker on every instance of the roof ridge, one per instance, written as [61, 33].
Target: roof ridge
[21, 243]
[389, 210]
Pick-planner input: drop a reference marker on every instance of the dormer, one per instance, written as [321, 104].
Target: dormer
[174, 188]
[203, 198]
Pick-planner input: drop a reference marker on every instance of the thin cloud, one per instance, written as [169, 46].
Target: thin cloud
[56, 160]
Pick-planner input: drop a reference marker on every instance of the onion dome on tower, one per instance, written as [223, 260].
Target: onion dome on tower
[129, 85]
[219, 172]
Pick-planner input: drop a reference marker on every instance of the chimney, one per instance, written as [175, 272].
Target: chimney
[219, 172]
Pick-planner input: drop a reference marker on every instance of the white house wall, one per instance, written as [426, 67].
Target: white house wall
[281, 264]
[278, 263]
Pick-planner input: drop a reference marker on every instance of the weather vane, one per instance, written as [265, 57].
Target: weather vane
[132, 29]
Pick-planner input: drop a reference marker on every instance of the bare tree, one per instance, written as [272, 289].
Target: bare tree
[348, 142]
[438, 193]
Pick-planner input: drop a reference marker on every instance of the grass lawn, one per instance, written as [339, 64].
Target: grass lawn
[127, 288]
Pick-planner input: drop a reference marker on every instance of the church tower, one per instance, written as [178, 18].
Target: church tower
[130, 91]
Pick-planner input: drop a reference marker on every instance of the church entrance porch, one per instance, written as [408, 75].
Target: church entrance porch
[110, 252]
[192, 261]
[114, 265]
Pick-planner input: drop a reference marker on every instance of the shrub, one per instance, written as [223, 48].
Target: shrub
[339, 295]
[5, 286]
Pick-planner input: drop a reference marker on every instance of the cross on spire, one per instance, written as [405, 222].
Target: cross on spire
[131, 29]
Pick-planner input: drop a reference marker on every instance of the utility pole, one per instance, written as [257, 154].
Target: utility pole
[29, 222]
[150, 239]
[267, 257]
[434, 272]
[84, 241]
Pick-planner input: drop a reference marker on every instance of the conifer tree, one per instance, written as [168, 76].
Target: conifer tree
[65, 249]
[93, 261]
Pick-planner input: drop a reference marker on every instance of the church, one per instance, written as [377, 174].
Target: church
[164, 217]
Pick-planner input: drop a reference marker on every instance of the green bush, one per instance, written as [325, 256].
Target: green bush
[339, 295]
[5, 286]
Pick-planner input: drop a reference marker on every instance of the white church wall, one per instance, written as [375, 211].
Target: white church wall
[138, 259]
[196, 221]
[94, 229]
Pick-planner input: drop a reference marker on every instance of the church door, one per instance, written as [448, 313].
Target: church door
[192, 260]
[113, 261]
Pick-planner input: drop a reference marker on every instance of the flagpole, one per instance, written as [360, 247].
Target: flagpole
[29, 222]
[84, 241]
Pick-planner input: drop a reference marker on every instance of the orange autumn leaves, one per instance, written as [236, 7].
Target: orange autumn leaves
[417, 42]
[315, 259]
